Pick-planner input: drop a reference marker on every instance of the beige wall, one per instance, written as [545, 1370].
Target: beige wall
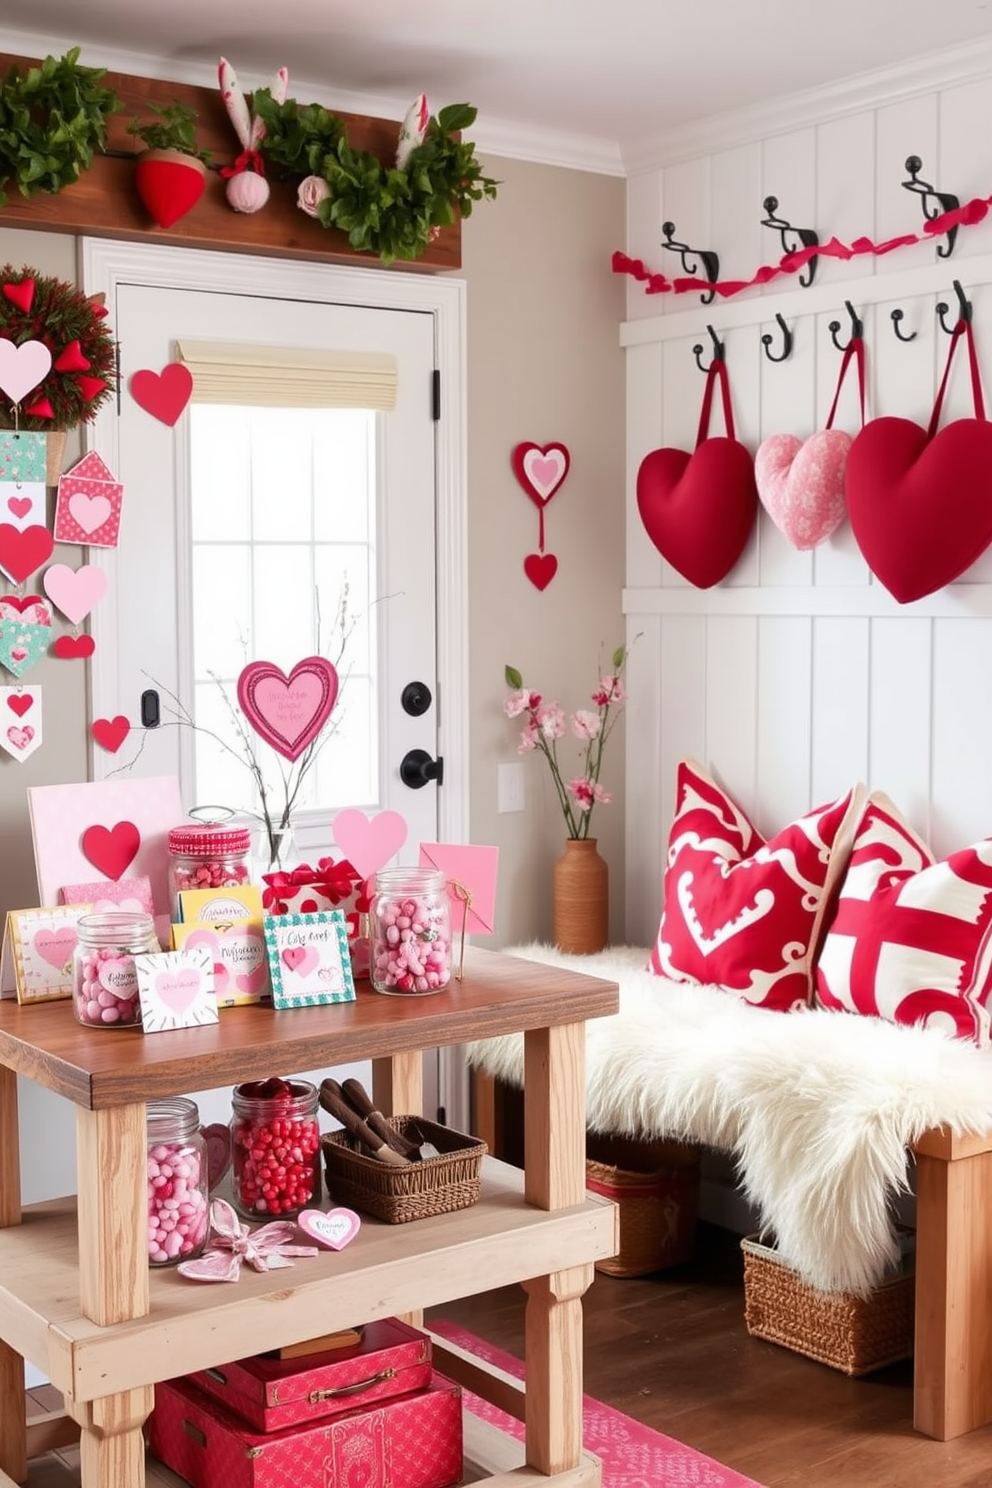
[544, 364]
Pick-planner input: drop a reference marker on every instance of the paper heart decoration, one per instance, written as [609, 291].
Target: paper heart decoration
[22, 552]
[110, 733]
[801, 485]
[288, 712]
[369, 842]
[20, 738]
[334, 1229]
[179, 990]
[21, 294]
[19, 506]
[540, 568]
[541, 469]
[89, 512]
[20, 703]
[250, 982]
[301, 959]
[218, 1139]
[68, 647]
[111, 850]
[75, 590]
[921, 511]
[22, 367]
[56, 946]
[163, 394]
[698, 508]
[25, 632]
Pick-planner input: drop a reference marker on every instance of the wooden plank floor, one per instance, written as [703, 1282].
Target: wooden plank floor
[672, 1351]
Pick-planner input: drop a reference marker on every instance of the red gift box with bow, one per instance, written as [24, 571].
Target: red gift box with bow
[330, 885]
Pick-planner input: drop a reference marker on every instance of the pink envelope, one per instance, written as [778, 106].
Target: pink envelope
[474, 868]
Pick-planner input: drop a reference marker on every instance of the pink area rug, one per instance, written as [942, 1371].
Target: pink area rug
[633, 1455]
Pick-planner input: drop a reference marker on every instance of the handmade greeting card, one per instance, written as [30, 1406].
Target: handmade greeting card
[221, 906]
[23, 461]
[88, 505]
[37, 952]
[117, 827]
[309, 962]
[126, 893]
[240, 960]
[176, 989]
[20, 720]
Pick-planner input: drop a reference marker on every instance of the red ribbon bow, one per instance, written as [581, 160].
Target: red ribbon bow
[248, 159]
[336, 882]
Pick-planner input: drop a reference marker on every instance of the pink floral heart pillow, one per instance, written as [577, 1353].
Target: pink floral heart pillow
[801, 485]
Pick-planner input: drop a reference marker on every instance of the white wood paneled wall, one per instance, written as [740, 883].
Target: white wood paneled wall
[799, 674]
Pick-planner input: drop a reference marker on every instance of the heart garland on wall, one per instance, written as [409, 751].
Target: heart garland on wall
[541, 471]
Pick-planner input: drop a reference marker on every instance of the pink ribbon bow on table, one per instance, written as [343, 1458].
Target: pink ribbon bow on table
[266, 1249]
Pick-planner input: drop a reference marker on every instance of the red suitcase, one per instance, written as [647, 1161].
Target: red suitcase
[269, 1394]
[411, 1441]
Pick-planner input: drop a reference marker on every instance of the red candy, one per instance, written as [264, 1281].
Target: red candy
[276, 1149]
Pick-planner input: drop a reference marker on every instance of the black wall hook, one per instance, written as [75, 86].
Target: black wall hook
[718, 350]
[943, 201]
[964, 309]
[857, 329]
[807, 239]
[767, 339]
[897, 317]
[710, 261]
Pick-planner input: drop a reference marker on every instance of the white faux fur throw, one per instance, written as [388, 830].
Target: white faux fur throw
[818, 1107]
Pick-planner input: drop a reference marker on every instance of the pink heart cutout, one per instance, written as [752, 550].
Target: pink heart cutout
[301, 959]
[801, 485]
[56, 946]
[20, 737]
[75, 590]
[89, 512]
[23, 367]
[335, 1229]
[288, 712]
[178, 990]
[369, 842]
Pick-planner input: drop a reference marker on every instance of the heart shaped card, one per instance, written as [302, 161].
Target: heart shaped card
[288, 712]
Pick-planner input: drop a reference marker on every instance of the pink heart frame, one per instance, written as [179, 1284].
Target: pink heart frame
[288, 712]
[541, 469]
[335, 1229]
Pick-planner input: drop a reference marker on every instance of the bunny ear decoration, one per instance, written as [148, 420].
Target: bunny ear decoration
[412, 130]
[278, 87]
[234, 102]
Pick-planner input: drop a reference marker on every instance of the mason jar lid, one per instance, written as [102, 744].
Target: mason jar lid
[208, 839]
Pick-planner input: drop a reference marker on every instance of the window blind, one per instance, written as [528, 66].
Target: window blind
[285, 377]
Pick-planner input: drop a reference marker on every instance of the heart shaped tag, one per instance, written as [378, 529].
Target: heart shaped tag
[70, 648]
[22, 367]
[541, 469]
[335, 1229]
[369, 842]
[801, 485]
[110, 733]
[163, 394]
[540, 568]
[288, 712]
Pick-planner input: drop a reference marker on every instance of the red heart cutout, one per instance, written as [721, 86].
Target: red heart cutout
[22, 552]
[540, 568]
[698, 509]
[111, 850]
[921, 511]
[21, 295]
[19, 505]
[20, 703]
[163, 394]
[288, 712]
[69, 647]
[169, 188]
[72, 359]
[110, 733]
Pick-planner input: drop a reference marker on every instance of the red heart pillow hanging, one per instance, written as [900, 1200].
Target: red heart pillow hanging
[920, 502]
[698, 508]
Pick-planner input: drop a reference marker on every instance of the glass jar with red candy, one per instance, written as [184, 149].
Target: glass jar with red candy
[207, 855]
[275, 1148]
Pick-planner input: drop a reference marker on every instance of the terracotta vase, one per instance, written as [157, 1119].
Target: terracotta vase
[581, 898]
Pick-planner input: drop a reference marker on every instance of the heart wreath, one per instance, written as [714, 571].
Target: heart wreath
[698, 507]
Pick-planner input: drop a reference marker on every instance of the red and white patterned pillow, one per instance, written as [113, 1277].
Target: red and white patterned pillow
[740, 912]
[911, 940]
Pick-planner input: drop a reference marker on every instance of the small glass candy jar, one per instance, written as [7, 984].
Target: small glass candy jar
[207, 855]
[104, 980]
[178, 1197]
[275, 1148]
[411, 931]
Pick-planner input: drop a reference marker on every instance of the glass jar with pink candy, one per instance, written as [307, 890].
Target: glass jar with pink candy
[411, 932]
[104, 979]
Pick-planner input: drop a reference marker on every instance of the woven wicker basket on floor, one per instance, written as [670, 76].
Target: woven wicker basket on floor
[400, 1193]
[853, 1334]
[655, 1185]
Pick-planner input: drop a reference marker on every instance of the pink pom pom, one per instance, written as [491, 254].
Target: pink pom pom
[247, 192]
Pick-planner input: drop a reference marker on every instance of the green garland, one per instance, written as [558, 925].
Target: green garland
[52, 119]
[73, 328]
[393, 213]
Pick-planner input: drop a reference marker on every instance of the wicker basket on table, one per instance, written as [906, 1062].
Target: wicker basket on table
[398, 1193]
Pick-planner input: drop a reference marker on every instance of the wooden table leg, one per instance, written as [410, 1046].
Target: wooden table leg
[111, 1442]
[13, 1414]
[554, 1178]
[953, 1363]
[398, 1084]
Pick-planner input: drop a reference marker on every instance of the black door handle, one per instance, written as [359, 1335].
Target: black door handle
[417, 768]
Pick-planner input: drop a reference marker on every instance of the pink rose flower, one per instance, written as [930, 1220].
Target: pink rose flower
[311, 193]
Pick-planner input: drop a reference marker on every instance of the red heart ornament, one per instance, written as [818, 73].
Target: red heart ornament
[541, 469]
[21, 294]
[163, 394]
[920, 502]
[24, 551]
[111, 850]
[110, 733]
[288, 712]
[41, 408]
[91, 387]
[71, 359]
[169, 187]
[68, 647]
[20, 703]
[540, 568]
[698, 509]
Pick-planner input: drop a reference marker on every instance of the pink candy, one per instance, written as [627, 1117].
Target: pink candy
[411, 948]
[177, 1205]
[105, 987]
[227, 874]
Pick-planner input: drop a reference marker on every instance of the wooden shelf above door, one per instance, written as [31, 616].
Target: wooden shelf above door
[104, 202]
